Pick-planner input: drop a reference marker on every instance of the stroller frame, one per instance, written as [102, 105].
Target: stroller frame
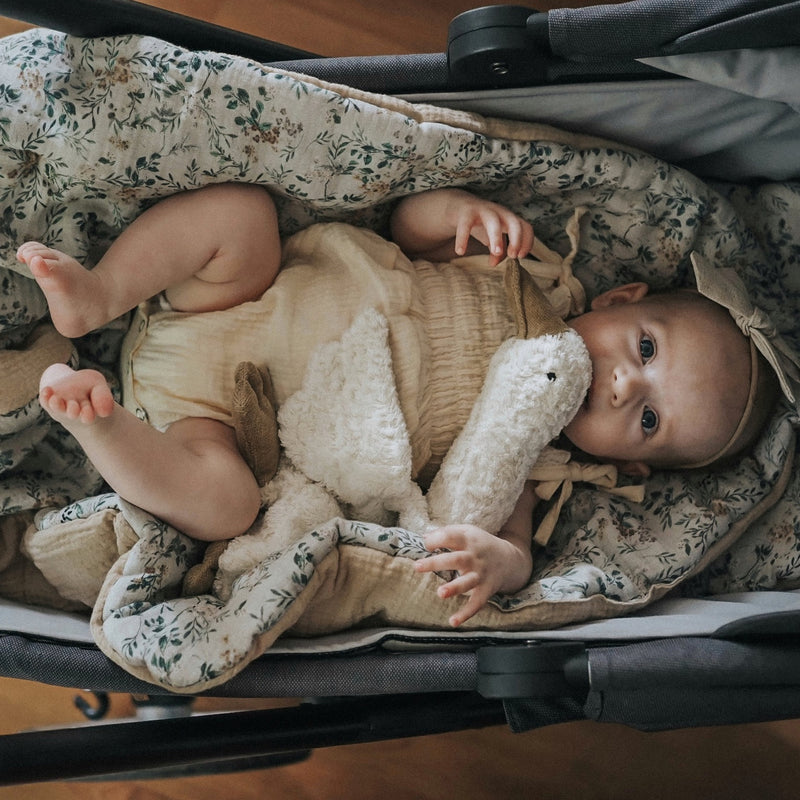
[743, 671]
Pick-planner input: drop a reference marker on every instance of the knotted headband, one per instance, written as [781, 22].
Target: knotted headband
[724, 287]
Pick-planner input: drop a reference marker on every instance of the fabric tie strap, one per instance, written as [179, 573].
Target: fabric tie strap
[550, 477]
[568, 297]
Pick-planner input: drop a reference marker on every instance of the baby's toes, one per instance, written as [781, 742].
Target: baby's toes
[40, 259]
[52, 402]
[87, 414]
[73, 408]
[27, 251]
[45, 394]
[102, 401]
[24, 249]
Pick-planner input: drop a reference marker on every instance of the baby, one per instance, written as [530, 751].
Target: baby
[675, 383]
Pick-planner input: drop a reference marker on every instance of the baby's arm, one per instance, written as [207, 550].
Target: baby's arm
[445, 223]
[486, 564]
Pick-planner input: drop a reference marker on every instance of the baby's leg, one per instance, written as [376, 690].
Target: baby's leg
[192, 476]
[211, 248]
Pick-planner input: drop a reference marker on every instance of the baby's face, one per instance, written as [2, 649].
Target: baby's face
[669, 384]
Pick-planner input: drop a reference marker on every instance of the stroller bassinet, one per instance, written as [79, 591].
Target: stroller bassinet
[683, 661]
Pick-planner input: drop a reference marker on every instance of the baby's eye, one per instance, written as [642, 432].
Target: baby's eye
[647, 348]
[649, 421]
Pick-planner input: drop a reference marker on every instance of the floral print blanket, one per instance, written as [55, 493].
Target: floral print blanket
[92, 131]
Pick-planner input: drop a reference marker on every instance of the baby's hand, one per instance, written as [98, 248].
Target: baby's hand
[485, 564]
[505, 234]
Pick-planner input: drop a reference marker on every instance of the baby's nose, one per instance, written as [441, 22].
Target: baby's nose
[626, 386]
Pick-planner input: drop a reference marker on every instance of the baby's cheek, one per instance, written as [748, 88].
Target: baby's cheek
[588, 433]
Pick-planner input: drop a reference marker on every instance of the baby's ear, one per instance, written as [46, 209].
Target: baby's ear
[619, 295]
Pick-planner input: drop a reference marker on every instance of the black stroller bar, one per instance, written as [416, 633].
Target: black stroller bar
[106, 749]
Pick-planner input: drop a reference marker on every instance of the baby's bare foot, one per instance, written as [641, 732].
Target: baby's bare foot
[71, 290]
[69, 396]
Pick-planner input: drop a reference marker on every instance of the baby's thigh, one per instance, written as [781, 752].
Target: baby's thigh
[245, 249]
[203, 437]
[214, 473]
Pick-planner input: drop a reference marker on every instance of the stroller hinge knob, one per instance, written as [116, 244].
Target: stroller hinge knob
[497, 46]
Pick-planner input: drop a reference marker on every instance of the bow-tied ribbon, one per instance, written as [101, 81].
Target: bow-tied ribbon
[725, 287]
[568, 296]
[550, 477]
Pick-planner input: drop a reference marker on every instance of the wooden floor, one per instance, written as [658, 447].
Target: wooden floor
[582, 760]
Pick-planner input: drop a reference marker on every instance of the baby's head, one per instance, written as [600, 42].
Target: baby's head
[675, 382]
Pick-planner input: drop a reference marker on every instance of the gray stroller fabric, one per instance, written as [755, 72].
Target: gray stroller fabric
[371, 672]
[678, 683]
[692, 682]
[667, 27]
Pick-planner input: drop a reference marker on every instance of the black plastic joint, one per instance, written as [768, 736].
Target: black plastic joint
[537, 669]
[498, 46]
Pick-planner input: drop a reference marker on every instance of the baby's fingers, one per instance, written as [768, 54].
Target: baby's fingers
[468, 583]
[463, 233]
[510, 236]
[474, 603]
[494, 235]
[459, 585]
[520, 238]
[440, 562]
[444, 537]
